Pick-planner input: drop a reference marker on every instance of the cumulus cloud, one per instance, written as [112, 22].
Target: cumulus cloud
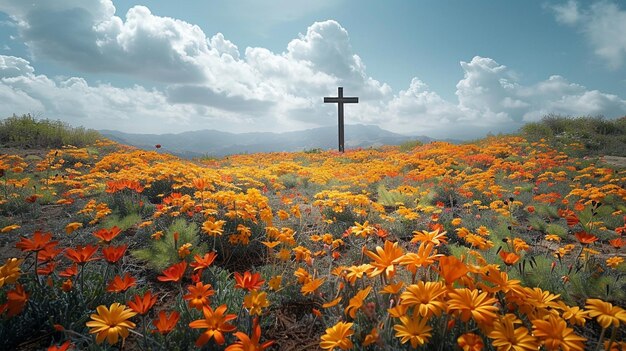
[603, 25]
[209, 82]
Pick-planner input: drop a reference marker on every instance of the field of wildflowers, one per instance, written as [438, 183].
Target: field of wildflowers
[500, 244]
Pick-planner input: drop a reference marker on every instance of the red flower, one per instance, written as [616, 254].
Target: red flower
[174, 273]
[585, 238]
[119, 284]
[69, 271]
[142, 304]
[40, 241]
[617, 243]
[112, 254]
[107, 235]
[47, 269]
[249, 281]
[16, 300]
[203, 262]
[158, 146]
[63, 347]
[82, 254]
[165, 324]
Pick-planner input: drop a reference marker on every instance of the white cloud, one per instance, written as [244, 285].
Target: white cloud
[603, 24]
[209, 82]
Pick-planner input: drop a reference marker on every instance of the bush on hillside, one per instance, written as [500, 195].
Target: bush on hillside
[27, 132]
[596, 135]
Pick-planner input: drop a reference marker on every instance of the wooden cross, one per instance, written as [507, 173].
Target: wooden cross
[340, 100]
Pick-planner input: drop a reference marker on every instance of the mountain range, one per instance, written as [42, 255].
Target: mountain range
[217, 143]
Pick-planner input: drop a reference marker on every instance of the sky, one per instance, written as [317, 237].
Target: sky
[445, 69]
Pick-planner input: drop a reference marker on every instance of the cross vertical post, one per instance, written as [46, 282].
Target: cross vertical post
[340, 100]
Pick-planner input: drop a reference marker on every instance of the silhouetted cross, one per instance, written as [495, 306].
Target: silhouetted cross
[340, 100]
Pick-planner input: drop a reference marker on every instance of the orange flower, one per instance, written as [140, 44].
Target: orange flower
[426, 297]
[470, 342]
[198, 295]
[451, 269]
[414, 329]
[119, 284]
[165, 324]
[82, 254]
[472, 303]
[39, 242]
[337, 336]
[248, 281]
[112, 254]
[203, 262]
[215, 323]
[586, 238]
[142, 304]
[605, 313]
[383, 262]
[507, 337]
[173, 273]
[357, 301]
[555, 335]
[509, 258]
[434, 237]
[107, 235]
[253, 342]
[16, 301]
[311, 286]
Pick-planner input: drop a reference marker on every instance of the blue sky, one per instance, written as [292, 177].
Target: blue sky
[440, 68]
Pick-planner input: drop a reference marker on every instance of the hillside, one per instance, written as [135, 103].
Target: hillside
[304, 250]
[217, 143]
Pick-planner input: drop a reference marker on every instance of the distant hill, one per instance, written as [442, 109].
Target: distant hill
[216, 143]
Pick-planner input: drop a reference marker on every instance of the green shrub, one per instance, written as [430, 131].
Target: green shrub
[27, 132]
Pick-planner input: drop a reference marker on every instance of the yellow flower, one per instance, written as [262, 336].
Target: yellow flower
[213, 228]
[71, 227]
[414, 329]
[275, 282]
[575, 315]
[456, 222]
[337, 336]
[605, 313]
[255, 301]
[555, 335]
[10, 271]
[110, 323]
[9, 228]
[332, 303]
[614, 261]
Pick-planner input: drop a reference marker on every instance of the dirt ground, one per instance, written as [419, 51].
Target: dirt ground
[616, 161]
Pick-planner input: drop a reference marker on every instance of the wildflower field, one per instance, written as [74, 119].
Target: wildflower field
[499, 244]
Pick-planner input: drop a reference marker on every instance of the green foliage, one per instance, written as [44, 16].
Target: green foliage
[410, 145]
[596, 135]
[162, 253]
[28, 132]
[391, 198]
[123, 223]
[556, 229]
